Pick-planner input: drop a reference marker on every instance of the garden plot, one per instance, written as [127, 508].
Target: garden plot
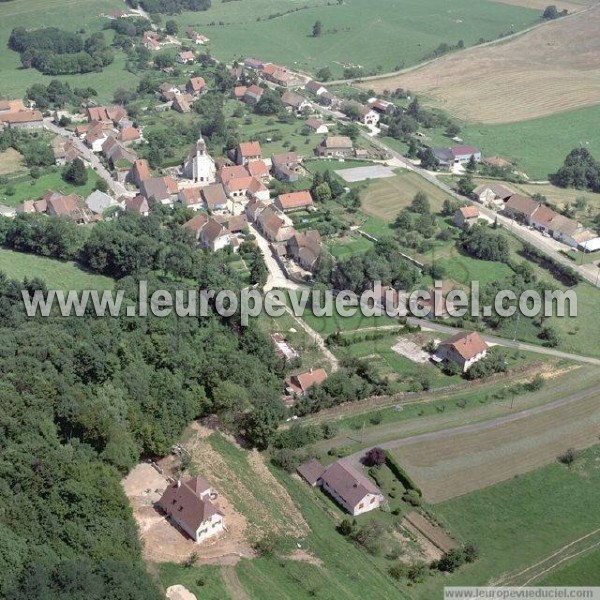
[408, 349]
[363, 173]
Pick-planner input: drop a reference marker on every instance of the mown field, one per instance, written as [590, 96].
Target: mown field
[584, 568]
[397, 34]
[57, 274]
[67, 14]
[522, 521]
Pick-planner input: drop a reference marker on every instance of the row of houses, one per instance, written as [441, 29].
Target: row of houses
[549, 222]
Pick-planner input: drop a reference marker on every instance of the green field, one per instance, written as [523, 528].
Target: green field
[538, 146]
[27, 188]
[206, 582]
[57, 274]
[67, 14]
[397, 34]
[584, 569]
[521, 521]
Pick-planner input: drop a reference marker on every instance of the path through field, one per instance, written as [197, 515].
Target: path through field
[233, 584]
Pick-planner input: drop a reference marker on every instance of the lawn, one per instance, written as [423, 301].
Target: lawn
[83, 14]
[399, 33]
[350, 245]
[10, 162]
[385, 198]
[27, 188]
[521, 521]
[538, 146]
[57, 274]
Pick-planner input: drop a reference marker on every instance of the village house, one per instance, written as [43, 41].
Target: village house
[70, 207]
[336, 147]
[138, 206]
[185, 57]
[129, 135]
[299, 385]
[520, 208]
[118, 156]
[199, 165]
[316, 125]
[305, 249]
[98, 202]
[247, 152]
[463, 349]
[22, 119]
[253, 94]
[294, 201]
[214, 236]
[181, 103]
[195, 225]
[295, 102]
[492, 194]
[259, 170]
[314, 87]
[139, 172]
[168, 91]
[106, 114]
[151, 40]
[66, 151]
[96, 134]
[215, 197]
[241, 189]
[369, 116]
[286, 167]
[234, 223]
[191, 198]
[329, 99]
[188, 504]
[195, 86]
[274, 225]
[239, 92]
[254, 64]
[465, 216]
[350, 488]
[196, 37]
[227, 173]
[281, 76]
[159, 190]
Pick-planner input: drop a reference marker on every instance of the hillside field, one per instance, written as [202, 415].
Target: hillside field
[546, 71]
[398, 33]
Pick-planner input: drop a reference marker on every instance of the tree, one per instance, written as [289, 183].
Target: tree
[472, 164]
[269, 104]
[420, 204]
[101, 186]
[76, 173]
[550, 337]
[466, 185]
[428, 159]
[452, 130]
[345, 527]
[323, 74]
[568, 457]
[317, 29]
[375, 457]
[550, 12]
[171, 27]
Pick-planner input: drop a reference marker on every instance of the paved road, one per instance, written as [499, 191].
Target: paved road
[116, 187]
[593, 392]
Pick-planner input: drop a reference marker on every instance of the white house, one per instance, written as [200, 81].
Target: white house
[188, 504]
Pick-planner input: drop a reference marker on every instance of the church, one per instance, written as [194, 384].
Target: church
[199, 165]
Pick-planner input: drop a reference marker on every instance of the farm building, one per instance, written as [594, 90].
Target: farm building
[457, 155]
[294, 201]
[316, 125]
[311, 471]
[188, 504]
[492, 194]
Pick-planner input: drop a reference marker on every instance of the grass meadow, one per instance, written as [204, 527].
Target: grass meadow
[396, 34]
[66, 14]
[57, 274]
[583, 570]
[27, 188]
[518, 522]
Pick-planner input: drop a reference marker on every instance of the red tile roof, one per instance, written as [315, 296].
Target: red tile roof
[467, 344]
[294, 200]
